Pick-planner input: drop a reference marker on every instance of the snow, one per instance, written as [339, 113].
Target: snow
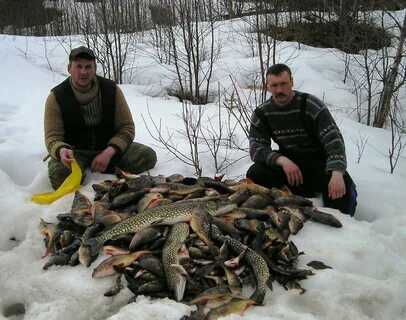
[367, 255]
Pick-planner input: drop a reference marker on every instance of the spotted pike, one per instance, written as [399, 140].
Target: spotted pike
[167, 214]
[257, 263]
[178, 189]
[175, 278]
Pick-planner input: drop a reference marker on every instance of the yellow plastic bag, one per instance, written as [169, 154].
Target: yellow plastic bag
[71, 183]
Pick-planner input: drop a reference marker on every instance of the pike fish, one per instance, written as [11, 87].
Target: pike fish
[257, 263]
[168, 214]
[174, 272]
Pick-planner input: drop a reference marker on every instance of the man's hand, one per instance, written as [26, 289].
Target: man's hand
[102, 160]
[66, 156]
[291, 170]
[336, 186]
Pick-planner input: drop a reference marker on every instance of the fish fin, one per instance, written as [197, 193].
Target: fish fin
[258, 296]
[318, 265]
[180, 287]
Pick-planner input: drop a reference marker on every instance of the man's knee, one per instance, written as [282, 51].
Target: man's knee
[57, 173]
[148, 160]
[351, 195]
[138, 158]
[346, 204]
[251, 173]
[266, 176]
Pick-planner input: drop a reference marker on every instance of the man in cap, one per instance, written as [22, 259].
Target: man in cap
[88, 119]
[311, 156]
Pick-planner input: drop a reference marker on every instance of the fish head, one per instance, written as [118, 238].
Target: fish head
[102, 187]
[88, 252]
[81, 204]
[48, 230]
[121, 174]
[84, 255]
[147, 201]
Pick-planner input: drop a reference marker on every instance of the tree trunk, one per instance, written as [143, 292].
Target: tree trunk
[385, 99]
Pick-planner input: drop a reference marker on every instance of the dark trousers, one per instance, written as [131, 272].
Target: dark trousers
[315, 180]
[137, 158]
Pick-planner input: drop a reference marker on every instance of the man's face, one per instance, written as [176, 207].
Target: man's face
[281, 88]
[82, 71]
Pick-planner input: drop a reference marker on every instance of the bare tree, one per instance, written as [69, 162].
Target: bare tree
[265, 23]
[390, 86]
[363, 72]
[192, 121]
[218, 137]
[397, 126]
[376, 75]
[232, 8]
[108, 28]
[239, 107]
[213, 136]
[360, 144]
[192, 47]
[162, 20]
[203, 135]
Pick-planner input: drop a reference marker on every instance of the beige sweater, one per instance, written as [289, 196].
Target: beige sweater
[91, 111]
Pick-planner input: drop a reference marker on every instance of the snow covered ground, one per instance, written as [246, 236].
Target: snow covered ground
[367, 255]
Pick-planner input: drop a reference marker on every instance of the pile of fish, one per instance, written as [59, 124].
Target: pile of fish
[198, 241]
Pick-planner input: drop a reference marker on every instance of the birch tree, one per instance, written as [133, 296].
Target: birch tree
[390, 86]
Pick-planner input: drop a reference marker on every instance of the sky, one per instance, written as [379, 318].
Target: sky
[367, 254]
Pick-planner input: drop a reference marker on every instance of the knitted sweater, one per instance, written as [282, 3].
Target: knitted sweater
[316, 136]
[91, 111]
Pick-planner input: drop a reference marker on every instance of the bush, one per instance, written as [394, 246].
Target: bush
[350, 38]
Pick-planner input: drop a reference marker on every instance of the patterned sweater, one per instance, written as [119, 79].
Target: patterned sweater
[316, 136]
[91, 112]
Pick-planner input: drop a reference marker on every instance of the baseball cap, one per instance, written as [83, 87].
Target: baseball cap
[81, 52]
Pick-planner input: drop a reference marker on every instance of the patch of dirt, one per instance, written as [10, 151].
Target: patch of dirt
[348, 37]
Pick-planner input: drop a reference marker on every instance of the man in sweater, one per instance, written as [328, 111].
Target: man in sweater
[87, 118]
[311, 156]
